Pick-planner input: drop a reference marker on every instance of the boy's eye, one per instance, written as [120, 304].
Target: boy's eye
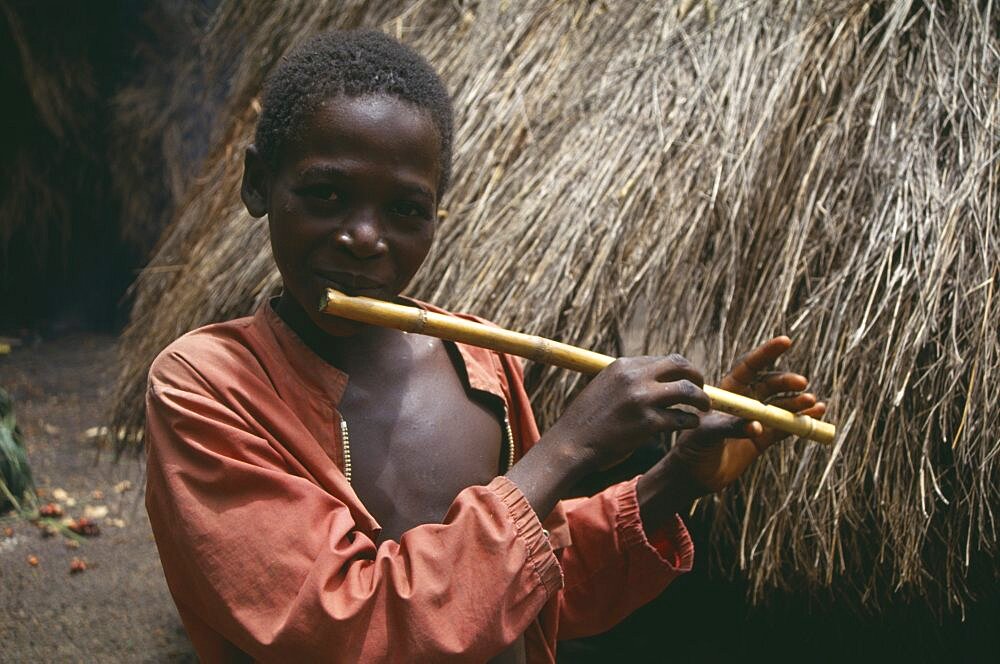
[410, 209]
[321, 191]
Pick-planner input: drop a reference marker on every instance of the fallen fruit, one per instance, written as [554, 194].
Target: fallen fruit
[84, 526]
[33, 560]
[8, 532]
[76, 566]
[123, 486]
[72, 544]
[50, 510]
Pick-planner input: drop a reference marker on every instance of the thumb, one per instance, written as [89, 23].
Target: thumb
[716, 426]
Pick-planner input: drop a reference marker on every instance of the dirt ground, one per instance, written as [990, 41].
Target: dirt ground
[118, 609]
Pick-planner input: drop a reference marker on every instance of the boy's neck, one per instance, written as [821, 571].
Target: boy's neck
[334, 349]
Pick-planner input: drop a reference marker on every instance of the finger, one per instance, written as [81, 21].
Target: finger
[815, 412]
[771, 436]
[682, 392]
[715, 426]
[675, 367]
[763, 357]
[672, 419]
[776, 382]
[795, 403]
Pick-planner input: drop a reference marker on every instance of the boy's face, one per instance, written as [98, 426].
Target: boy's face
[353, 202]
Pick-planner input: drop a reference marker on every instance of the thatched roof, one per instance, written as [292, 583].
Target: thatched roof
[641, 177]
[49, 123]
[59, 222]
[162, 118]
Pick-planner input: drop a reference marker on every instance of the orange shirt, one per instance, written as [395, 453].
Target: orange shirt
[269, 553]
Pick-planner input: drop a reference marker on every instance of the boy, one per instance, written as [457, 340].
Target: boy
[324, 490]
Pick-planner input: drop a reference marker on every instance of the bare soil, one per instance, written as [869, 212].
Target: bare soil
[118, 609]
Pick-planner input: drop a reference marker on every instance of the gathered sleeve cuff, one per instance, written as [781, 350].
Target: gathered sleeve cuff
[609, 577]
[671, 543]
[531, 533]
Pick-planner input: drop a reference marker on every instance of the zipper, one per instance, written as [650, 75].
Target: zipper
[509, 438]
[345, 448]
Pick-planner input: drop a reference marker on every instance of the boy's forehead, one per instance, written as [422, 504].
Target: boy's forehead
[371, 125]
[380, 114]
[377, 107]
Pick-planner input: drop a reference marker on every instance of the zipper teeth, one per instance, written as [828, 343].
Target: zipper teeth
[510, 438]
[345, 446]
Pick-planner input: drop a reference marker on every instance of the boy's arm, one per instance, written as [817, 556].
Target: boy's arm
[704, 460]
[278, 566]
[611, 568]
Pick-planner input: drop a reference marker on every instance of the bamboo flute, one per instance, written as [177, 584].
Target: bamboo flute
[547, 351]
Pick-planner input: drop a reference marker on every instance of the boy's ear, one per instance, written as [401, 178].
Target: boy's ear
[256, 179]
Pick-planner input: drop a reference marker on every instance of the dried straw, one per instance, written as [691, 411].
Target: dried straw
[58, 216]
[49, 154]
[161, 119]
[643, 177]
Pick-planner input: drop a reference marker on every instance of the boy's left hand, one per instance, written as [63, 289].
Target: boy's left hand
[709, 458]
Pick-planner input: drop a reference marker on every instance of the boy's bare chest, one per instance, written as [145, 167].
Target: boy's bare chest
[417, 438]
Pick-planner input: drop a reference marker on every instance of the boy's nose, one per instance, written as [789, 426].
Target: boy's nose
[362, 237]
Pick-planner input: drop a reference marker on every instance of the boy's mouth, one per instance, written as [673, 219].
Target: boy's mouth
[350, 283]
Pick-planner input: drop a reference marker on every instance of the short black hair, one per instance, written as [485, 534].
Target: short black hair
[351, 63]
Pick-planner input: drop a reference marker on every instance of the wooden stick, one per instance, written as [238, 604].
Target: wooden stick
[540, 349]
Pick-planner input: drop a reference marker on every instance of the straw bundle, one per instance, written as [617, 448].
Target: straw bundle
[161, 120]
[58, 217]
[49, 127]
[642, 177]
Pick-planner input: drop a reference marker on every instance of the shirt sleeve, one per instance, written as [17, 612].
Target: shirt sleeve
[278, 566]
[611, 568]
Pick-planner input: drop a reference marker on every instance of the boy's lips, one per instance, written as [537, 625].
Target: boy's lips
[348, 282]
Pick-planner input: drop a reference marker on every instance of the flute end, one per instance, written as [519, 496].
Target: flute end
[823, 432]
[324, 300]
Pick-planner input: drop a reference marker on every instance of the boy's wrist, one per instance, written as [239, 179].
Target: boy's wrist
[548, 472]
[564, 458]
[663, 491]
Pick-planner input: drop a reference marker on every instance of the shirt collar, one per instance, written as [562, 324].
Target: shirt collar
[308, 368]
[319, 376]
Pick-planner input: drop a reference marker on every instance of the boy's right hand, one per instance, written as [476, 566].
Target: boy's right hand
[627, 403]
